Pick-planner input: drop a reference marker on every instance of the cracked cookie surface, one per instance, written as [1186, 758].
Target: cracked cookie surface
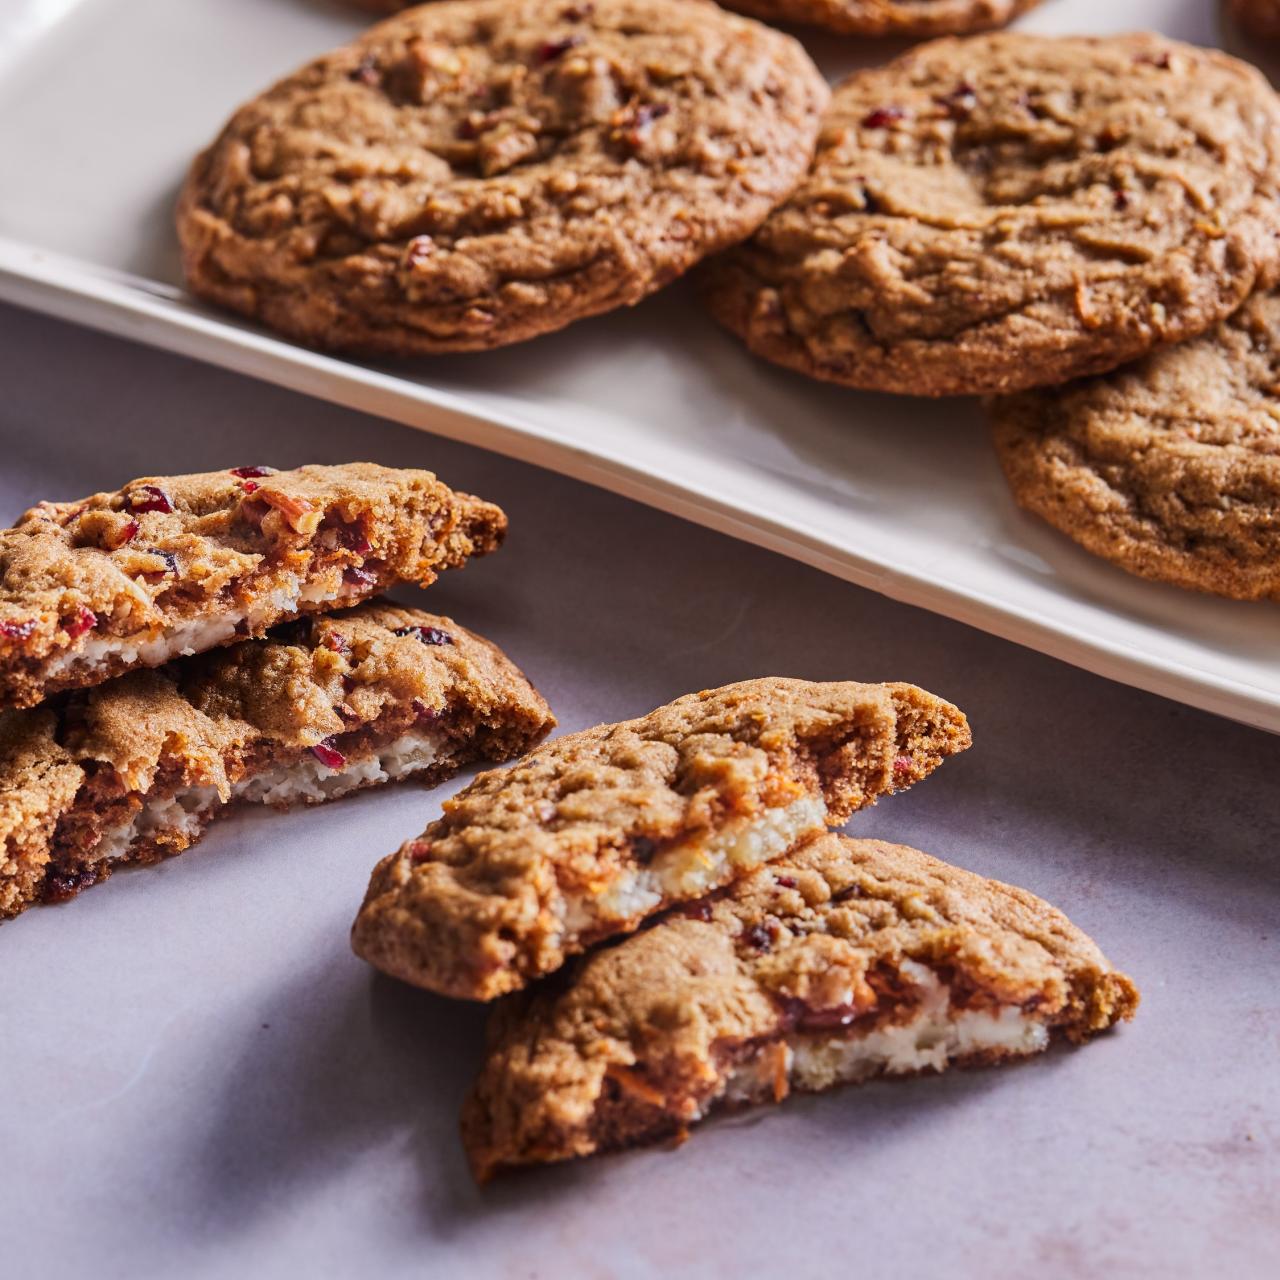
[596, 831]
[476, 172]
[135, 769]
[174, 565]
[1010, 211]
[845, 960]
[1170, 467]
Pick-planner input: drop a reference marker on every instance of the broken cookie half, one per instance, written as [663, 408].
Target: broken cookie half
[176, 565]
[134, 770]
[597, 831]
[846, 960]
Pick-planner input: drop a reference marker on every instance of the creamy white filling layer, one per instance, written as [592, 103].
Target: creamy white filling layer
[931, 1039]
[195, 635]
[694, 867]
[185, 813]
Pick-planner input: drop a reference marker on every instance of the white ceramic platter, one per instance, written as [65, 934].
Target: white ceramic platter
[102, 104]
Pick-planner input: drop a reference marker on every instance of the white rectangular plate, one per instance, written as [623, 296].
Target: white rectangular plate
[103, 103]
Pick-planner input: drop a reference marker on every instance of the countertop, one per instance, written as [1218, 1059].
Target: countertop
[202, 1080]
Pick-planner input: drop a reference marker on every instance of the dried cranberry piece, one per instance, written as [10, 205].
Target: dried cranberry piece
[353, 537]
[850, 891]
[128, 531]
[329, 755]
[785, 882]
[420, 248]
[337, 643]
[428, 635]
[81, 621]
[805, 1018]
[170, 560]
[17, 630]
[250, 487]
[554, 49]
[883, 117]
[424, 712]
[367, 72]
[643, 848]
[902, 768]
[420, 851]
[759, 936]
[61, 886]
[1162, 62]
[354, 577]
[1120, 198]
[698, 911]
[148, 497]
[252, 473]
[960, 102]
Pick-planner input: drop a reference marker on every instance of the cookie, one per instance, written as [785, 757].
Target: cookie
[1010, 211]
[1170, 467]
[174, 565]
[473, 173]
[1257, 17]
[133, 771]
[596, 831]
[846, 960]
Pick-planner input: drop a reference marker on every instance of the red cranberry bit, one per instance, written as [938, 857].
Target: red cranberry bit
[249, 487]
[960, 102]
[424, 712]
[420, 248]
[17, 630]
[554, 49]
[643, 848]
[329, 755]
[804, 1018]
[698, 911]
[148, 497]
[335, 642]
[367, 72]
[428, 635]
[883, 117]
[902, 768]
[1120, 197]
[420, 851]
[359, 577]
[760, 937]
[785, 882]
[128, 532]
[252, 473]
[62, 886]
[354, 538]
[83, 620]
[852, 891]
[170, 561]
[1162, 62]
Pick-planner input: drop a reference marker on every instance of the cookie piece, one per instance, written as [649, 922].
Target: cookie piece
[476, 172]
[1257, 17]
[1170, 467]
[1010, 211]
[596, 831]
[846, 960]
[133, 771]
[174, 565]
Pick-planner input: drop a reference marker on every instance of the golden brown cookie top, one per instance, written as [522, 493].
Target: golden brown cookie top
[1169, 467]
[472, 173]
[882, 17]
[1007, 211]
[116, 571]
[594, 831]
[815, 944]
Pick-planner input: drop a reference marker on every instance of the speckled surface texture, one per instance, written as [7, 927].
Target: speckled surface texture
[212, 1085]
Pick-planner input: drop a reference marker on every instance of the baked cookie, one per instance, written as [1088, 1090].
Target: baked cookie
[857, 17]
[133, 771]
[1257, 17]
[1169, 467]
[1009, 211]
[846, 960]
[174, 565]
[477, 172]
[596, 831]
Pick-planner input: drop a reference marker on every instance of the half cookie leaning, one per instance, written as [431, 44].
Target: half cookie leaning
[474, 173]
[1009, 211]
[134, 770]
[846, 960]
[596, 831]
[173, 565]
[1169, 467]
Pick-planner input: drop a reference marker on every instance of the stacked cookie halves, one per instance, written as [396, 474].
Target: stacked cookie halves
[673, 929]
[190, 641]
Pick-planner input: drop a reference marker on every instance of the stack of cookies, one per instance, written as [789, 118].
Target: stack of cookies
[190, 641]
[671, 928]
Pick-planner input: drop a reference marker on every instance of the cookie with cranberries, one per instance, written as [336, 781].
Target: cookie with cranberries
[473, 173]
[595, 832]
[173, 565]
[134, 770]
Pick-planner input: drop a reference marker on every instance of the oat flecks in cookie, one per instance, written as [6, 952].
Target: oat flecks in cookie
[846, 960]
[889, 17]
[596, 831]
[135, 769]
[476, 172]
[1010, 211]
[180, 564]
[1170, 467]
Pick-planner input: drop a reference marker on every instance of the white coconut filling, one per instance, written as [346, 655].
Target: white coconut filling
[694, 867]
[187, 812]
[931, 1039]
[195, 635]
